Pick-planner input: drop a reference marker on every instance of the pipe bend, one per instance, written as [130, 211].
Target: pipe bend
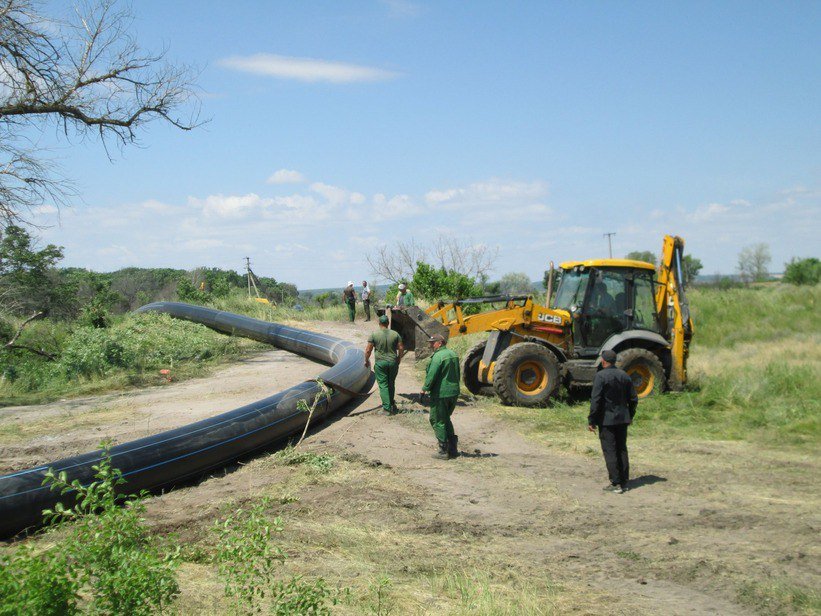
[163, 459]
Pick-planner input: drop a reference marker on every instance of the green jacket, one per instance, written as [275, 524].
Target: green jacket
[442, 376]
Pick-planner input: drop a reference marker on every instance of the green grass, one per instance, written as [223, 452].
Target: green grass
[129, 353]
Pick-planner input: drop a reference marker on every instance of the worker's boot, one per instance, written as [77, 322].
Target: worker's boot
[453, 447]
[442, 454]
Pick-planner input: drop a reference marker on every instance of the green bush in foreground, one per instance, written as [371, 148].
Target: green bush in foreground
[106, 563]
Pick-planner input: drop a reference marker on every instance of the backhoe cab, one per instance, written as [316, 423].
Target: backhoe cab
[624, 305]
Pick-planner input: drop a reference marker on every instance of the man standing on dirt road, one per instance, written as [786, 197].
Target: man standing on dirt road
[349, 297]
[613, 405]
[442, 383]
[389, 353]
[366, 299]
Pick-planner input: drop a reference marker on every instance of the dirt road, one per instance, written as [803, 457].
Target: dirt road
[708, 527]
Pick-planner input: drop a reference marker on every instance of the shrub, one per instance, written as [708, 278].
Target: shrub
[91, 352]
[433, 284]
[247, 560]
[802, 271]
[106, 564]
[298, 596]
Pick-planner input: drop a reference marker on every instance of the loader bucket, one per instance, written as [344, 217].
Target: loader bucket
[416, 328]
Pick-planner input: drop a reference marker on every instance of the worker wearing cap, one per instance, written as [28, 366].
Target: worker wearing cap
[405, 297]
[613, 405]
[442, 383]
[349, 297]
[389, 352]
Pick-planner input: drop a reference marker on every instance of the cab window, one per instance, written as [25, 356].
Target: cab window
[571, 289]
[644, 307]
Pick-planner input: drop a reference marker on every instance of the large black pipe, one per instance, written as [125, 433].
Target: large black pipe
[176, 455]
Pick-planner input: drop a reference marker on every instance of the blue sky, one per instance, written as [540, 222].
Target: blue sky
[534, 127]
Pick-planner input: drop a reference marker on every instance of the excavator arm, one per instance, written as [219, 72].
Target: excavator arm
[673, 308]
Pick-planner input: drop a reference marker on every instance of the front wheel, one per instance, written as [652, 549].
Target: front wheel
[470, 371]
[526, 374]
[645, 369]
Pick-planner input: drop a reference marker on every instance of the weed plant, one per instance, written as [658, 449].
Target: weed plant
[247, 560]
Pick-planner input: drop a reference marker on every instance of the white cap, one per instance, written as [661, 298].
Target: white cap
[350, 283]
[401, 287]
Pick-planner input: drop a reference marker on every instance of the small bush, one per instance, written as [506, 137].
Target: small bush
[92, 352]
[803, 271]
[246, 557]
[299, 596]
[106, 564]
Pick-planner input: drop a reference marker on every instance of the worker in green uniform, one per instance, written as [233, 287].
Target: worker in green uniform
[389, 352]
[442, 383]
[405, 297]
[349, 298]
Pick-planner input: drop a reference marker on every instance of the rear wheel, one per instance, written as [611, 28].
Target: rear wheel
[470, 371]
[645, 369]
[526, 374]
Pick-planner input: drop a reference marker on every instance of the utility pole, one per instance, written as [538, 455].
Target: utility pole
[610, 242]
[248, 273]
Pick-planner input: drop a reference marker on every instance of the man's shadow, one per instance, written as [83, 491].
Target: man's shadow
[645, 480]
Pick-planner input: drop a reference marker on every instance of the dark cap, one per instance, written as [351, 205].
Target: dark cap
[383, 319]
[436, 338]
[609, 356]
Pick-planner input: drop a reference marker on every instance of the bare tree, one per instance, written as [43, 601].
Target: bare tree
[753, 262]
[396, 262]
[87, 77]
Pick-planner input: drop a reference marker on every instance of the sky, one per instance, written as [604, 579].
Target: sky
[534, 128]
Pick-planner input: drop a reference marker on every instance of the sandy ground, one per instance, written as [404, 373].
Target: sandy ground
[706, 526]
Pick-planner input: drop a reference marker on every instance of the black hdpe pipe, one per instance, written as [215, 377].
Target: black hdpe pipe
[171, 457]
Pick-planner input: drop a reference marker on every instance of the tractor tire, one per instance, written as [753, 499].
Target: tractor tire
[470, 371]
[526, 374]
[645, 368]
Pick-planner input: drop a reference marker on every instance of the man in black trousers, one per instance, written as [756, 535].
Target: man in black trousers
[612, 407]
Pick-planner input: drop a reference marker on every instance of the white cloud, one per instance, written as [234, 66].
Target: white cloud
[231, 206]
[304, 69]
[286, 176]
[708, 212]
[202, 244]
[492, 192]
[402, 8]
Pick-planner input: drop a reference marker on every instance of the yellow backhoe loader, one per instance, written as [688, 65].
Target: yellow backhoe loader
[631, 307]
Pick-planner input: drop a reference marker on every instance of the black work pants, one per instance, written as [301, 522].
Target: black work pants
[367, 304]
[614, 447]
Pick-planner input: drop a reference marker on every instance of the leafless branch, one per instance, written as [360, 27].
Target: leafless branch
[397, 261]
[11, 344]
[86, 76]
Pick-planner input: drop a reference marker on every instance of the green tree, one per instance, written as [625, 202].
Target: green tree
[802, 271]
[691, 267]
[516, 283]
[648, 256]
[28, 279]
[433, 283]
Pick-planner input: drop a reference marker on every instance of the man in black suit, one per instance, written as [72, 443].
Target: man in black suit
[612, 408]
